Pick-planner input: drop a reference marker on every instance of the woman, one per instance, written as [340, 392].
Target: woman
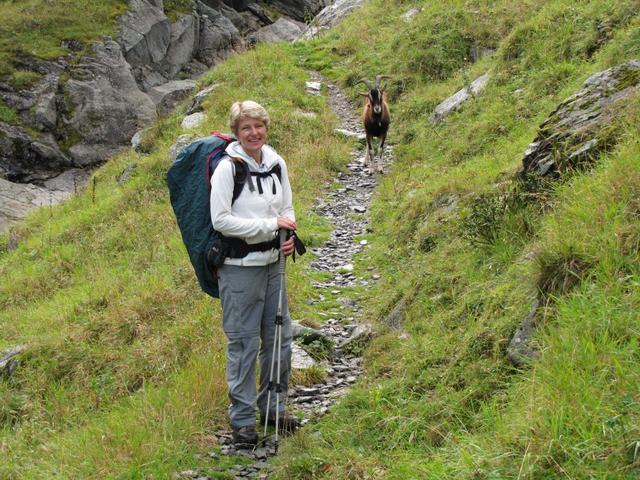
[249, 286]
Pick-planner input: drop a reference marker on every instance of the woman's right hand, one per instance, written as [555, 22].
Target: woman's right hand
[286, 222]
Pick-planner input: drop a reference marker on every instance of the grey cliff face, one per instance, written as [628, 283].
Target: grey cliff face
[84, 110]
[105, 105]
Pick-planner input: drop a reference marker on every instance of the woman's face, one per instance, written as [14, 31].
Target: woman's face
[252, 135]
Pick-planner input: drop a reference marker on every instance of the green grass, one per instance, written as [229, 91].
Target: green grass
[123, 375]
[444, 402]
[123, 350]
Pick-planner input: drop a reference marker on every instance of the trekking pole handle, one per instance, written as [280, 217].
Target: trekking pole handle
[283, 235]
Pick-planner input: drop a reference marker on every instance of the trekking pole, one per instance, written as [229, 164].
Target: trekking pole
[277, 343]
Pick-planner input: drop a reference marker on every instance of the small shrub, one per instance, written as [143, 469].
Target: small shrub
[482, 225]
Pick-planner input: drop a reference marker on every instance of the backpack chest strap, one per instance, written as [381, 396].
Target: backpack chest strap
[260, 175]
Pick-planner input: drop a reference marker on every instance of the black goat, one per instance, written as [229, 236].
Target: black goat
[376, 118]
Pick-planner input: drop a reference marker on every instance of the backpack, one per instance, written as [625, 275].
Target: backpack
[189, 181]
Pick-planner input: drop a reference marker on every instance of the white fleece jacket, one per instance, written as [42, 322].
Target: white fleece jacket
[253, 216]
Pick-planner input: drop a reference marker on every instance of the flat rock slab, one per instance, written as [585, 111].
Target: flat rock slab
[456, 100]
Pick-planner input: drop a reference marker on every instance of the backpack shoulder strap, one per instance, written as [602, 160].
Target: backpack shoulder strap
[277, 170]
[241, 173]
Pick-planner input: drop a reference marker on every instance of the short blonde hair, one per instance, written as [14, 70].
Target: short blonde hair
[247, 109]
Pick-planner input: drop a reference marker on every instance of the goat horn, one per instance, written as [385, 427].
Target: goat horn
[367, 82]
[380, 77]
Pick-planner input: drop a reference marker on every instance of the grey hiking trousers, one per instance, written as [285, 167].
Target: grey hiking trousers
[249, 297]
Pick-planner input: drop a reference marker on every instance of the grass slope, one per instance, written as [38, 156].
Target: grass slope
[124, 372]
[123, 377]
[440, 400]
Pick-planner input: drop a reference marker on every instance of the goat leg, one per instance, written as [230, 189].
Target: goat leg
[368, 161]
[383, 137]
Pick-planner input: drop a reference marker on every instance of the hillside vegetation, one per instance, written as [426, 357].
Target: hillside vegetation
[123, 376]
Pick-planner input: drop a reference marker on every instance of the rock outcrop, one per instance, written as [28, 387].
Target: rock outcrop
[84, 110]
[104, 106]
[583, 125]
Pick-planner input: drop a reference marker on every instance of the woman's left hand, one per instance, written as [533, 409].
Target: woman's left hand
[288, 247]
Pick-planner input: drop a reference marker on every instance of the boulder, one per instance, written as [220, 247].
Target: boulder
[170, 94]
[258, 12]
[37, 105]
[104, 105]
[577, 131]
[86, 154]
[145, 33]
[181, 142]
[45, 112]
[192, 121]
[410, 14]
[457, 99]
[306, 335]
[26, 159]
[283, 30]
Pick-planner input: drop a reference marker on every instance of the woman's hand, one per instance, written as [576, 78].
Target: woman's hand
[286, 222]
[287, 247]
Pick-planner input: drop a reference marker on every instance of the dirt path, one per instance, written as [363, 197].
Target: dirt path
[346, 208]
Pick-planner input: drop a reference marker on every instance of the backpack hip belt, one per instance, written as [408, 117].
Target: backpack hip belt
[238, 248]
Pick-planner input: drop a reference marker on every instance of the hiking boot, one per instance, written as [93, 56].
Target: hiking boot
[287, 423]
[245, 435]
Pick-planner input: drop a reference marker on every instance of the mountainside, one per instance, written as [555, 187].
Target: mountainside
[76, 89]
[502, 251]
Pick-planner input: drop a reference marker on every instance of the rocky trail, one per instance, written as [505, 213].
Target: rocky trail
[346, 208]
